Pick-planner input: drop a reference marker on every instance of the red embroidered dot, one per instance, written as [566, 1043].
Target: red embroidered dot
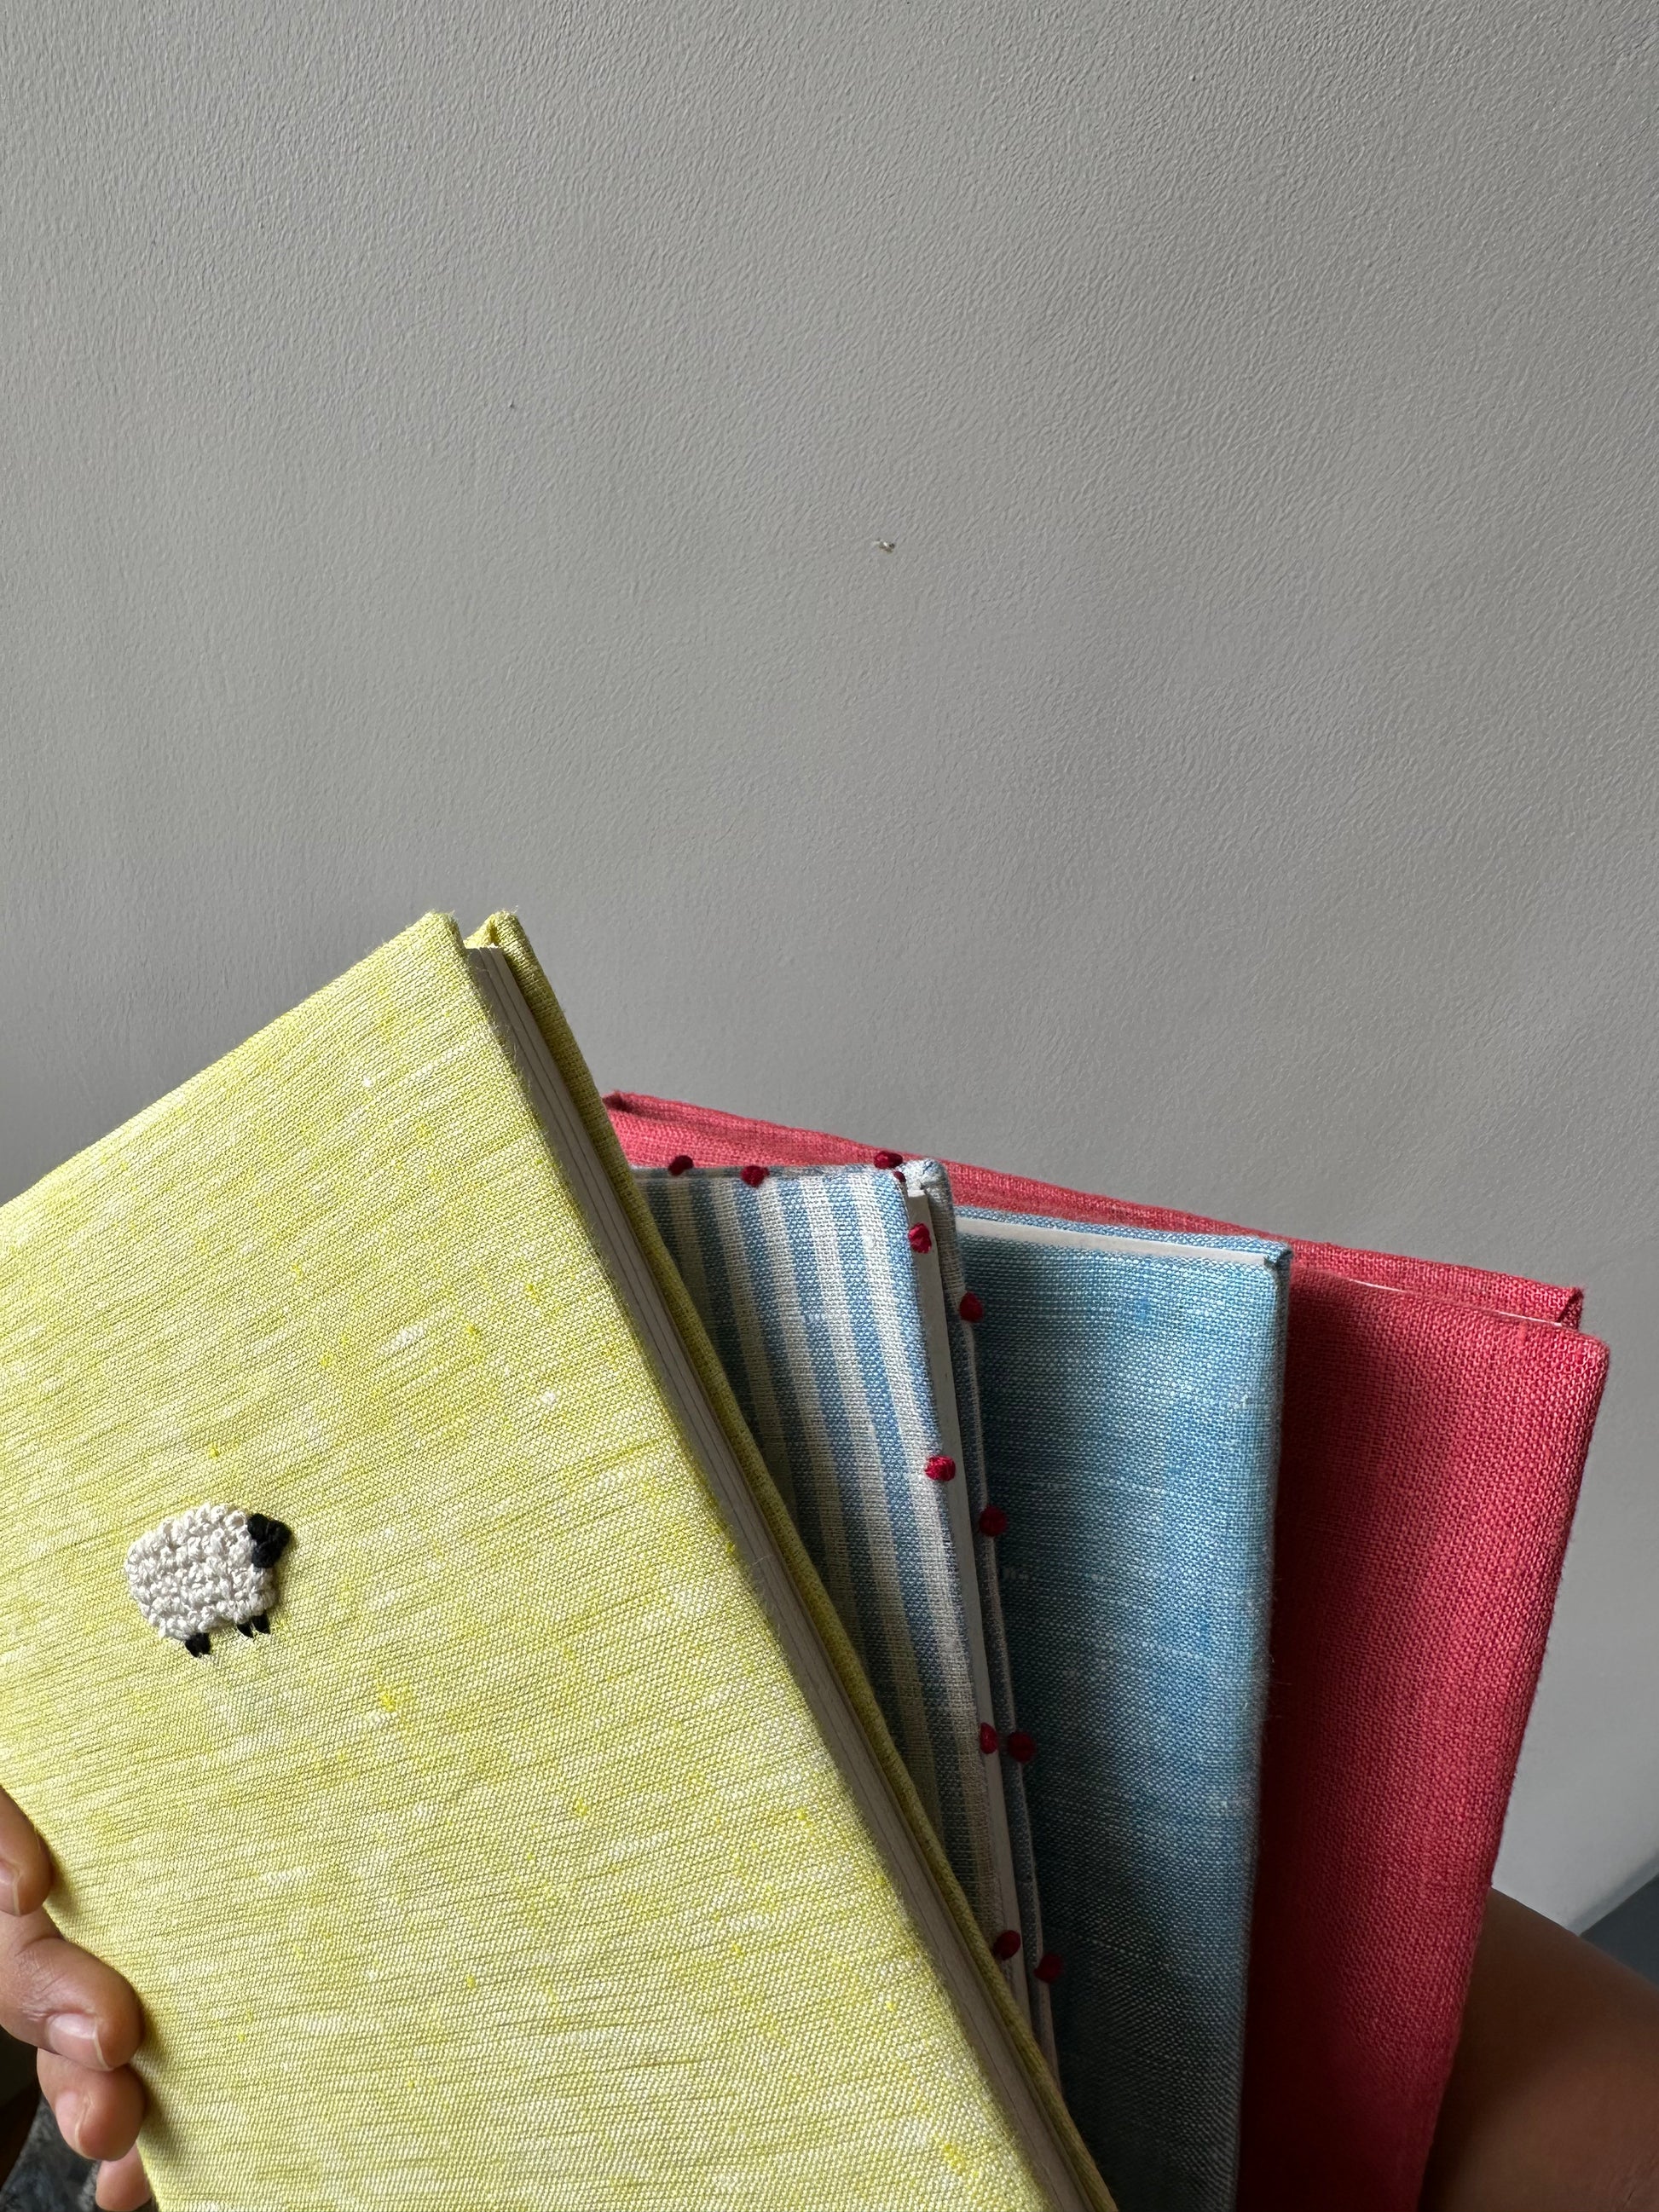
[679, 1164]
[987, 1738]
[1049, 1967]
[754, 1176]
[970, 1307]
[921, 1237]
[941, 1467]
[1007, 1946]
[1021, 1747]
[994, 1521]
[886, 1159]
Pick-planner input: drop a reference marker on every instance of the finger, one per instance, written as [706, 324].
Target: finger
[25, 1861]
[60, 1999]
[97, 2114]
[122, 2185]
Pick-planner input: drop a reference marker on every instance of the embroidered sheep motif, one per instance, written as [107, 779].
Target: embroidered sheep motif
[209, 1568]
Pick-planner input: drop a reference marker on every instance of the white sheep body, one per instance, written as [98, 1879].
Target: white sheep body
[195, 1572]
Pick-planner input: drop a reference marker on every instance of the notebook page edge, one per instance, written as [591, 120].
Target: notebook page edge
[929, 1300]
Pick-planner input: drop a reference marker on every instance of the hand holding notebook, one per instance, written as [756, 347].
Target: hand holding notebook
[547, 1646]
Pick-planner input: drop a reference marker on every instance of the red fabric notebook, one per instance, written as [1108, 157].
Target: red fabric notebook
[1435, 1427]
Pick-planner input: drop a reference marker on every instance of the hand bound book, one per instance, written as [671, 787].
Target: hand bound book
[1130, 1382]
[499, 1817]
[825, 1295]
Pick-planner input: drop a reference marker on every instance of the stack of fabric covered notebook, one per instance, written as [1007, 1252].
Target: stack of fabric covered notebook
[787, 1674]
[1435, 1421]
[1125, 1395]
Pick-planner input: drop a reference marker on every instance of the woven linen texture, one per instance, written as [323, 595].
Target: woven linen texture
[511, 1869]
[1435, 1421]
[807, 1288]
[1131, 1404]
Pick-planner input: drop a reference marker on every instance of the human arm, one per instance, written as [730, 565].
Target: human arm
[1553, 2100]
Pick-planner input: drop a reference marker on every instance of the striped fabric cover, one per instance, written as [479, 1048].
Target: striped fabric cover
[806, 1283]
[1131, 1386]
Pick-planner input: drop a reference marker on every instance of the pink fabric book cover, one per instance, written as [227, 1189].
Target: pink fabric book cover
[1435, 1422]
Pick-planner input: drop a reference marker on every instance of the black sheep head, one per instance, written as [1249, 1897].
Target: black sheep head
[270, 1539]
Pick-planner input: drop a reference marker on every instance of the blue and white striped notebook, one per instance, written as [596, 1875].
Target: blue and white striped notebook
[1130, 1387]
[829, 1295]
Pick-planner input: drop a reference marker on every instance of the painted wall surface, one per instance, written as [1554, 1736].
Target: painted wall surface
[450, 457]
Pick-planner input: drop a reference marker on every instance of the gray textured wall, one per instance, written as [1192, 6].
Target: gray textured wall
[444, 454]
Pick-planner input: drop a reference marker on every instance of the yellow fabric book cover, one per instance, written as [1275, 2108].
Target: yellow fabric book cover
[466, 1830]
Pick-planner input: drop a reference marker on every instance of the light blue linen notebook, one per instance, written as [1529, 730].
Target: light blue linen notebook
[824, 1293]
[1130, 1386]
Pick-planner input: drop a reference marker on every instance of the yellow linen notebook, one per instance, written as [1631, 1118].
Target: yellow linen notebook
[480, 1793]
